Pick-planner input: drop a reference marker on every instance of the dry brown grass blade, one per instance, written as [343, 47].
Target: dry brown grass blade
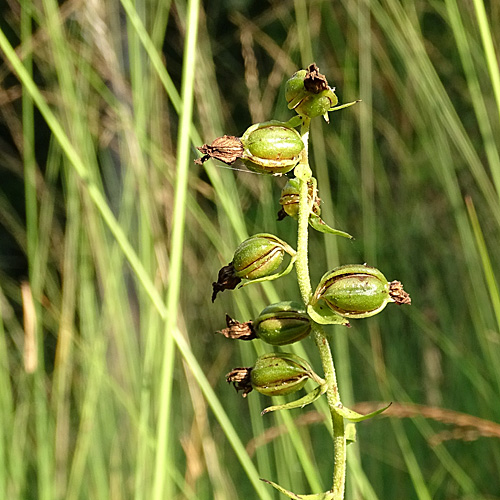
[468, 427]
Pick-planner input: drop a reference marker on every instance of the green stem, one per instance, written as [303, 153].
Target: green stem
[304, 174]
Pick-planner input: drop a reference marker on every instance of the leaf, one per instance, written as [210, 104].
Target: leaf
[320, 225]
[328, 495]
[323, 315]
[343, 106]
[350, 433]
[354, 416]
[309, 398]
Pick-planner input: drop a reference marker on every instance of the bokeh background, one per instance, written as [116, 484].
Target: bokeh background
[111, 377]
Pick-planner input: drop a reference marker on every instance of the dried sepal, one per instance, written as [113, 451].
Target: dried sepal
[314, 81]
[241, 378]
[237, 330]
[397, 294]
[226, 149]
[226, 280]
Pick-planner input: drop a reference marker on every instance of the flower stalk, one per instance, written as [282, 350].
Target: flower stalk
[302, 270]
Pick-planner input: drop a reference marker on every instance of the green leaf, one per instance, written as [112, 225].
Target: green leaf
[354, 416]
[309, 398]
[328, 495]
[317, 223]
[323, 315]
[295, 121]
[342, 106]
[350, 433]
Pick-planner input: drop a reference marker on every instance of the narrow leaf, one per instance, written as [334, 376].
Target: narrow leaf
[328, 495]
[323, 315]
[354, 416]
[309, 398]
[342, 106]
[350, 433]
[317, 223]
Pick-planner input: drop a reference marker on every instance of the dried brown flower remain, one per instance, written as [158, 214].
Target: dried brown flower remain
[314, 81]
[227, 149]
[398, 294]
[237, 330]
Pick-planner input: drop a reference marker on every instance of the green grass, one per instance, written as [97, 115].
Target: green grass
[112, 380]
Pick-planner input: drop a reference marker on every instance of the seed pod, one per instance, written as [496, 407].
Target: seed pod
[274, 374]
[308, 93]
[256, 259]
[271, 147]
[289, 199]
[280, 373]
[282, 323]
[278, 324]
[358, 291]
[294, 89]
[317, 104]
[258, 256]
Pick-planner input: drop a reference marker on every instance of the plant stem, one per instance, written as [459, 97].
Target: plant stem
[303, 173]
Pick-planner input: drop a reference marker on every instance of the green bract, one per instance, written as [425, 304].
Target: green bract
[289, 200]
[282, 323]
[354, 291]
[259, 256]
[279, 373]
[271, 147]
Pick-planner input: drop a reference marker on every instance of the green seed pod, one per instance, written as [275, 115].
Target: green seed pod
[271, 147]
[289, 199]
[358, 291]
[282, 323]
[294, 89]
[279, 373]
[317, 104]
[308, 93]
[258, 256]
[256, 259]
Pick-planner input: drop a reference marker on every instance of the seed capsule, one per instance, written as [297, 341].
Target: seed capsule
[358, 291]
[280, 373]
[274, 374]
[282, 323]
[308, 93]
[258, 256]
[271, 147]
[256, 259]
[289, 199]
[278, 324]
[317, 104]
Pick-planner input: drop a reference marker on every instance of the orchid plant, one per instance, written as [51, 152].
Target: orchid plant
[352, 291]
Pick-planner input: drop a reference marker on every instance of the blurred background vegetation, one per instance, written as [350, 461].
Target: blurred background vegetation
[111, 378]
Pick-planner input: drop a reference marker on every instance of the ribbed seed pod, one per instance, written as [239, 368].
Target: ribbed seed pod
[308, 93]
[282, 323]
[358, 291]
[274, 374]
[271, 147]
[257, 258]
[289, 199]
